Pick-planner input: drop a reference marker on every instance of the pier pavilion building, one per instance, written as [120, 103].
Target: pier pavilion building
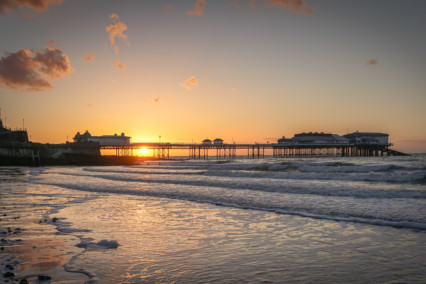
[368, 138]
[104, 140]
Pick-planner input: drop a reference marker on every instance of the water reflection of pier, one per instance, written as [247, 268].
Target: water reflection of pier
[278, 150]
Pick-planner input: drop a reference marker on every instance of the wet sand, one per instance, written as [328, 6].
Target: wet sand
[31, 247]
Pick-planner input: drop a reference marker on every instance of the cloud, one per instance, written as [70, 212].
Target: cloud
[89, 57]
[372, 62]
[30, 70]
[157, 100]
[28, 16]
[169, 7]
[296, 6]
[192, 81]
[188, 87]
[119, 65]
[51, 42]
[89, 105]
[16, 5]
[198, 8]
[237, 4]
[117, 29]
[189, 83]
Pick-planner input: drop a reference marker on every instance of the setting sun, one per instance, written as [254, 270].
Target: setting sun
[143, 151]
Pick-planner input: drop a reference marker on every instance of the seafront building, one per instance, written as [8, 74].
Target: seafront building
[368, 138]
[355, 138]
[104, 140]
[16, 149]
[7, 134]
[314, 138]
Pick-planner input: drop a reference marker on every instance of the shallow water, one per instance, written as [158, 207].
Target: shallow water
[248, 221]
[382, 191]
[163, 240]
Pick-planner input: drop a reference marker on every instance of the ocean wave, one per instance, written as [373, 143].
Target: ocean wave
[348, 209]
[145, 171]
[386, 173]
[349, 169]
[287, 166]
[255, 181]
[398, 177]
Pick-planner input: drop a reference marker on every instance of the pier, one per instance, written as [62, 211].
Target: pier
[311, 144]
[229, 151]
[16, 149]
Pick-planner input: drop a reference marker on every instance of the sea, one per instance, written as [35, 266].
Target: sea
[271, 220]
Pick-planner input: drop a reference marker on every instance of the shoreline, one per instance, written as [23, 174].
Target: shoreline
[32, 248]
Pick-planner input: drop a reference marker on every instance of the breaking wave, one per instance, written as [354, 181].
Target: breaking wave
[376, 192]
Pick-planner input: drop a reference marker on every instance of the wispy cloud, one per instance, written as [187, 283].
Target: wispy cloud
[156, 100]
[296, 6]
[189, 83]
[28, 16]
[119, 65]
[16, 5]
[117, 29]
[372, 62]
[237, 4]
[89, 57]
[198, 8]
[30, 70]
[51, 43]
[169, 7]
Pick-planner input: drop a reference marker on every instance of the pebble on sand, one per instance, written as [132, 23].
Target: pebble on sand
[44, 278]
[9, 274]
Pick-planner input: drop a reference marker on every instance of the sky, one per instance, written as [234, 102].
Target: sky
[242, 70]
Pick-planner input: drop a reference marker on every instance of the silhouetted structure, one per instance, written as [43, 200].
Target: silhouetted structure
[104, 140]
[368, 138]
[9, 135]
[16, 149]
[318, 138]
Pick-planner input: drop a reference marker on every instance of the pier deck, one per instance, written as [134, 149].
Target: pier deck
[229, 151]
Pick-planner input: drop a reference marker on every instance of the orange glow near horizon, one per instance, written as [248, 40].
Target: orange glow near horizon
[143, 152]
